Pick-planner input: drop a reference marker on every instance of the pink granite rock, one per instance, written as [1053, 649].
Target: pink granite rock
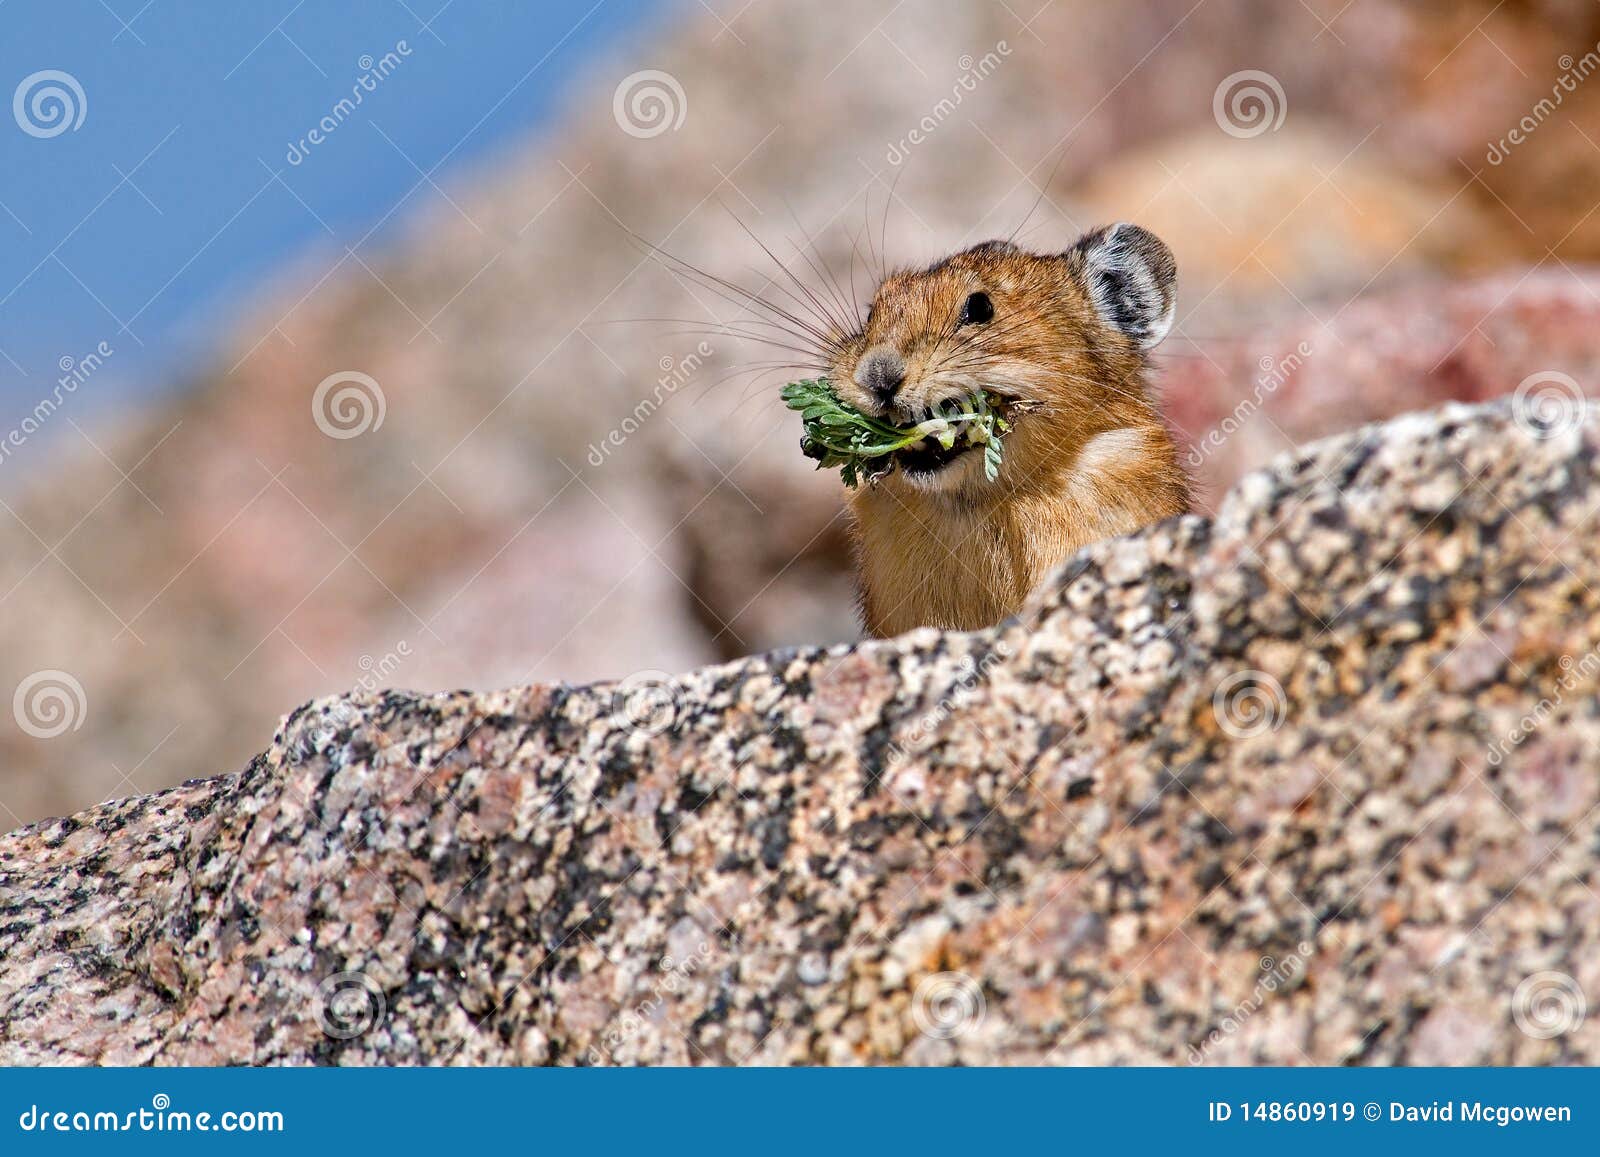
[1209, 799]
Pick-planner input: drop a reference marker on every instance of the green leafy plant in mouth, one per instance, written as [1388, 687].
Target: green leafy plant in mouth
[863, 447]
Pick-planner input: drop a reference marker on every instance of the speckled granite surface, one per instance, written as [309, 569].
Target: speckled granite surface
[1253, 791]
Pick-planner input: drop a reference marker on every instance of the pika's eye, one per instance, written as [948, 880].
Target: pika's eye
[978, 310]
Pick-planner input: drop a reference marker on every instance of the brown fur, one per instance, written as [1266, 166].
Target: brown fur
[1091, 460]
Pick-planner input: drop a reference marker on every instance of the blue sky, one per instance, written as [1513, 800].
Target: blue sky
[146, 211]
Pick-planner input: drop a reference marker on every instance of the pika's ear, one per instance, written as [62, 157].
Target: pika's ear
[1131, 278]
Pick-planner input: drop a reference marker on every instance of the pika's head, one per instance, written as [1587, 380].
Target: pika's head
[1067, 333]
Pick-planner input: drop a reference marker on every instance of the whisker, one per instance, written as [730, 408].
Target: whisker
[880, 272]
[758, 372]
[855, 252]
[722, 287]
[883, 236]
[1037, 201]
[713, 327]
[823, 273]
[830, 324]
[769, 342]
[801, 327]
[820, 308]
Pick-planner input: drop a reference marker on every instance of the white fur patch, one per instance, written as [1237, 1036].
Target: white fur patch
[1112, 447]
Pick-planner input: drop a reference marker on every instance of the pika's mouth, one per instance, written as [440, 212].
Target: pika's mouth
[940, 451]
[929, 457]
[867, 448]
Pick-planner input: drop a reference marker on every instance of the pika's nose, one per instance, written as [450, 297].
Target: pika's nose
[881, 372]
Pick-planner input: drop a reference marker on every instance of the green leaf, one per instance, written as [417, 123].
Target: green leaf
[861, 446]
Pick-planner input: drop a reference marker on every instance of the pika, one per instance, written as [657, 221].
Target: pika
[1066, 337]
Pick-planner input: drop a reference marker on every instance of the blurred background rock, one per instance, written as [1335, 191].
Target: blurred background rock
[1347, 248]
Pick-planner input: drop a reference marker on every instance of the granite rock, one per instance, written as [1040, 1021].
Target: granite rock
[191, 561]
[1314, 781]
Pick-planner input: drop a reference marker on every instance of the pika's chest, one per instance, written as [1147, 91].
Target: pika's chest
[954, 572]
